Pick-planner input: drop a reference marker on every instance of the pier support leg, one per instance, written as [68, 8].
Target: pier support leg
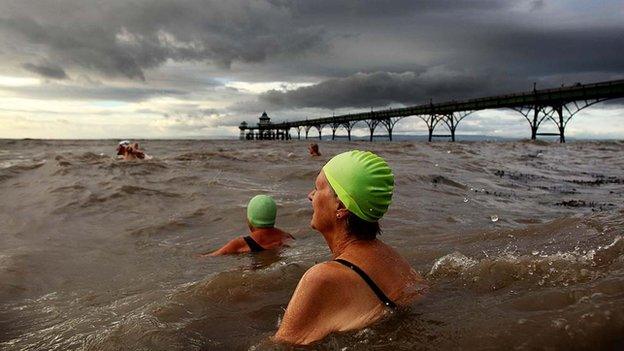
[389, 124]
[349, 133]
[452, 127]
[431, 121]
[561, 124]
[307, 134]
[534, 124]
[333, 134]
[372, 124]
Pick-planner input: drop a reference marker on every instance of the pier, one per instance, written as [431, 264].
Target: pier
[558, 105]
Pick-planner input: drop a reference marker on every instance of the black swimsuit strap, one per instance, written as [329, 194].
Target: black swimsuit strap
[253, 245]
[386, 301]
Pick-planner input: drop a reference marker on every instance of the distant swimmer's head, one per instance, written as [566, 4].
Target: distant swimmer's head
[314, 149]
[261, 211]
[363, 183]
[123, 145]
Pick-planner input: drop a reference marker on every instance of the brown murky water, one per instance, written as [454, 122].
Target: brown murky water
[521, 243]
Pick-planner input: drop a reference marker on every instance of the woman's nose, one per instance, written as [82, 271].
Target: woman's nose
[310, 195]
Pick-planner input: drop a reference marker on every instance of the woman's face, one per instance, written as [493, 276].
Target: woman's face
[324, 204]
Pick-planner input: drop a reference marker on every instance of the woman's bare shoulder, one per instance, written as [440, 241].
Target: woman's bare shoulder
[324, 272]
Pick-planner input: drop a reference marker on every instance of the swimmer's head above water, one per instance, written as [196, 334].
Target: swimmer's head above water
[362, 181]
[363, 184]
[122, 146]
[314, 149]
[261, 211]
[130, 151]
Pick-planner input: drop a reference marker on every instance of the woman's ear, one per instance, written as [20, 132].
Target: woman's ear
[342, 212]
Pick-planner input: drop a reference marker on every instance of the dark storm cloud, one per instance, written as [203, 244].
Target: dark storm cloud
[362, 53]
[485, 59]
[125, 38]
[380, 89]
[87, 46]
[46, 70]
[533, 51]
[380, 8]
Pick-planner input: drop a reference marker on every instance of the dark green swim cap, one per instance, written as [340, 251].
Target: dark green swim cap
[363, 182]
[261, 211]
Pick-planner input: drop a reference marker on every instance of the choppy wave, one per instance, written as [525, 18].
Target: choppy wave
[536, 268]
[14, 168]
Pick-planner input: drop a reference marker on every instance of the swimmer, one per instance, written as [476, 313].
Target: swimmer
[314, 149]
[366, 279]
[130, 151]
[261, 212]
[123, 150]
[136, 151]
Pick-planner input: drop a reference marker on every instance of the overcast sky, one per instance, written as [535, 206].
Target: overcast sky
[192, 68]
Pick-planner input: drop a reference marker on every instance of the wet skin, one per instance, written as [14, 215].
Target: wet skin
[268, 238]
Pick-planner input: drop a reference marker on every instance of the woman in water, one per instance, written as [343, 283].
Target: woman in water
[136, 151]
[129, 151]
[313, 149]
[366, 279]
[261, 212]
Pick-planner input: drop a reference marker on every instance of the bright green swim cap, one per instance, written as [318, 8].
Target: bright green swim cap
[363, 182]
[261, 211]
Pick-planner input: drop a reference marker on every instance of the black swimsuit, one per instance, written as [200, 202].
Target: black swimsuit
[253, 245]
[384, 299]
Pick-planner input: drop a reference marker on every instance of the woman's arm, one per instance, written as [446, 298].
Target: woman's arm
[236, 245]
[311, 312]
